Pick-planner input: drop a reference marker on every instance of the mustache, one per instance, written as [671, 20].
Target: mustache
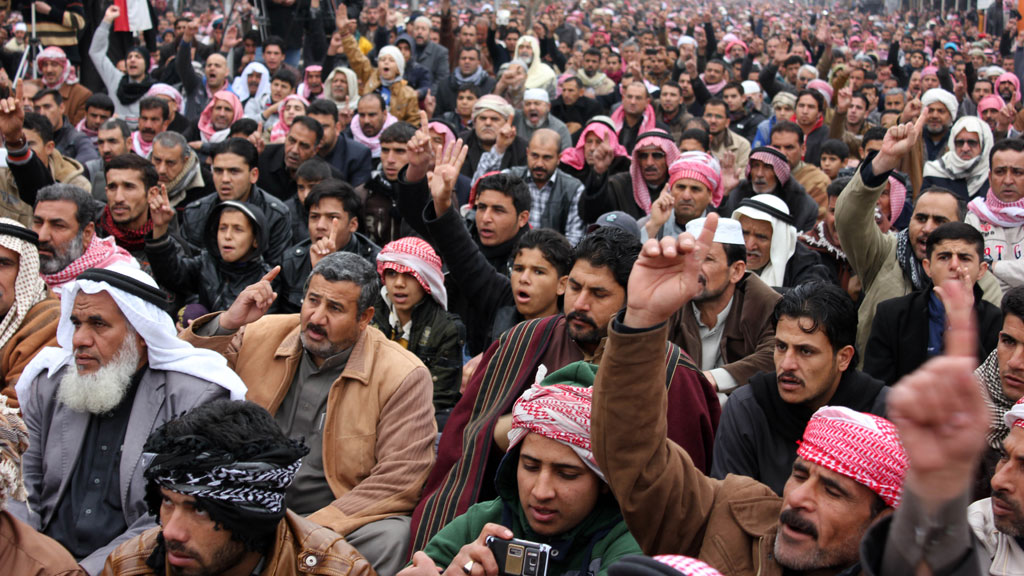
[791, 376]
[319, 331]
[1002, 497]
[790, 518]
[581, 317]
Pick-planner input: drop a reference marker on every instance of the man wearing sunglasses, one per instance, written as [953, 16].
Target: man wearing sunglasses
[999, 215]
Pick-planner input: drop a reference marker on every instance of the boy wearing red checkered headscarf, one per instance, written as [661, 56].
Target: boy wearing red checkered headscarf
[413, 311]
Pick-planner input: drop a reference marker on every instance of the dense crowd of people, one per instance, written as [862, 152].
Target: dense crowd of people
[687, 289]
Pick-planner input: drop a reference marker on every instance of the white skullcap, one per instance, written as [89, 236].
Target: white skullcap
[729, 231]
[537, 94]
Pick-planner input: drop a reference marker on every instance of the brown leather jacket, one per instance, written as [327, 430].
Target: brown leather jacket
[25, 552]
[300, 547]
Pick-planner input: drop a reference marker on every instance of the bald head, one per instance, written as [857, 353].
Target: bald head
[542, 155]
[216, 71]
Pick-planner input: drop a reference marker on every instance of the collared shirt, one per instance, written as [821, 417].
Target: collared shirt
[90, 515]
[303, 413]
[539, 202]
[711, 351]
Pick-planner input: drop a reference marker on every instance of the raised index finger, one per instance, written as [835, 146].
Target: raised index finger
[269, 276]
[961, 337]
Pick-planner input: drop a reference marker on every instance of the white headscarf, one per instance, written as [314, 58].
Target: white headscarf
[29, 288]
[165, 350]
[784, 237]
[539, 75]
[241, 84]
[952, 167]
[352, 98]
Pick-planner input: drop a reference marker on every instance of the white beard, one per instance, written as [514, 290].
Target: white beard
[103, 390]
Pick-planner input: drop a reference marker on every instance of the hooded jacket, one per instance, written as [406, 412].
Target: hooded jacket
[590, 547]
[207, 276]
[418, 76]
[404, 100]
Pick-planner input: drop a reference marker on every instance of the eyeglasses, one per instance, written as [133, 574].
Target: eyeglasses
[652, 155]
[961, 142]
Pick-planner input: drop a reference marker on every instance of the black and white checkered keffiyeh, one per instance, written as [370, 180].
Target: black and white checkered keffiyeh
[254, 486]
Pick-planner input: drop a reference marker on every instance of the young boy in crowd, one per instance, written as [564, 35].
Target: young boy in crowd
[834, 155]
[413, 311]
[310, 173]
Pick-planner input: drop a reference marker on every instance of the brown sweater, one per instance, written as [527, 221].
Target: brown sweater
[38, 330]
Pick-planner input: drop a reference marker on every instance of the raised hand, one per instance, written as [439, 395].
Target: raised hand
[327, 245]
[730, 175]
[898, 142]
[939, 410]
[661, 210]
[160, 210]
[112, 13]
[420, 152]
[12, 116]
[844, 98]
[604, 155]
[251, 304]
[911, 110]
[1005, 117]
[341, 22]
[445, 174]
[231, 39]
[664, 277]
[506, 135]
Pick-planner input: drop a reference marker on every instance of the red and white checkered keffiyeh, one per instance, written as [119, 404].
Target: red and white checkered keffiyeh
[662, 140]
[860, 446]
[55, 54]
[560, 412]
[101, 253]
[413, 256]
[699, 166]
[774, 158]
[687, 566]
[1015, 416]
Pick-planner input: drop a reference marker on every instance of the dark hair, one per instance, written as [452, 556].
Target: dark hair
[156, 103]
[376, 97]
[1014, 144]
[85, 207]
[101, 101]
[716, 101]
[400, 132]
[314, 126]
[339, 189]
[699, 135]
[1013, 302]
[222, 431]
[961, 206]
[287, 76]
[274, 41]
[468, 87]
[955, 231]
[469, 49]
[57, 98]
[322, 107]
[720, 62]
[135, 162]
[837, 186]
[733, 86]
[784, 126]
[734, 253]
[793, 60]
[509, 185]
[836, 147]
[704, 126]
[671, 84]
[40, 124]
[575, 80]
[117, 124]
[592, 52]
[349, 267]
[239, 147]
[612, 248]
[552, 244]
[316, 169]
[829, 308]
[863, 98]
[872, 134]
[818, 98]
[243, 126]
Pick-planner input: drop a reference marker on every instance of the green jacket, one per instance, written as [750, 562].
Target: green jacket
[589, 549]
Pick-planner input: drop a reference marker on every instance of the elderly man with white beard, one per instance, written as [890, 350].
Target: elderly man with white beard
[119, 372]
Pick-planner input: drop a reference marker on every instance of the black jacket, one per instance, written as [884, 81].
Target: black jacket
[351, 159]
[746, 124]
[898, 344]
[296, 267]
[448, 92]
[274, 176]
[758, 433]
[802, 208]
[804, 267]
[514, 156]
[277, 216]
[609, 192]
[436, 338]
[206, 278]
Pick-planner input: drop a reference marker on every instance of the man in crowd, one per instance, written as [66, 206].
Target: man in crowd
[636, 115]
[574, 108]
[235, 173]
[429, 54]
[120, 371]
[769, 173]
[361, 489]
[536, 115]
[154, 118]
[670, 109]
[279, 162]
[635, 191]
[68, 141]
[815, 327]
[202, 525]
[181, 173]
[595, 82]
[903, 335]
[493, 132]
[695, 183]
[773, 252]
[723, 140]
[728, 329]
[350, 158]
[810, 116]
[824, 240]
[112, 140]
[990, 215]
[26, 300]
[59, 74]
[372, 117]
[939, 111]
[788, 138]
[33, 160]
[555, 194]
[130, 179]
[743, 117]
[98, 109]
[469, 70]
